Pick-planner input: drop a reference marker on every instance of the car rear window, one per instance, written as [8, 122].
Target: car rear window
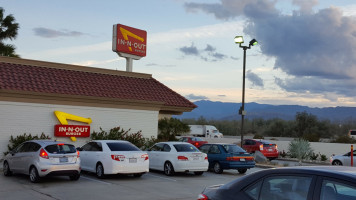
[185, 148]
[268, 144]
[233, 149]
[60, 148]
[122, 146]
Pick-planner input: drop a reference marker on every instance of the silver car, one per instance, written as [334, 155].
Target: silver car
[343, 159]
[40, 158]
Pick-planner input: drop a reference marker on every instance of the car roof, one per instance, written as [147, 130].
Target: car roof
[106, 141]
[329, 171]
[173, 142]
[218, 143]
[47, 142]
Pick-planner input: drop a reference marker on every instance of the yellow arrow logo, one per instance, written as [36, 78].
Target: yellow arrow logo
[63, 117]
[125, 33]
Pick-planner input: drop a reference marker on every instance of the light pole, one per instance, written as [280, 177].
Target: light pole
[239, 40]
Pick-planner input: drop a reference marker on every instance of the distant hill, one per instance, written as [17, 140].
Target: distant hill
[229, 111]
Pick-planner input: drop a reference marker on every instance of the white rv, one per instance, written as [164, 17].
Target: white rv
[207, 131]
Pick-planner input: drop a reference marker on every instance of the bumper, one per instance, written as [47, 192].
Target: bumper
[270, 154]
[237, 165]
[186, 166]
[119, 168]
[58, 170]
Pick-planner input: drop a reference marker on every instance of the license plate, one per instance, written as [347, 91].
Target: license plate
[63, 159]
[132, 160]
[269, 149]
[242, 159]
[195, 158]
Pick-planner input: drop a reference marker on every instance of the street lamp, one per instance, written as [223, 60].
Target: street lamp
[239, 40]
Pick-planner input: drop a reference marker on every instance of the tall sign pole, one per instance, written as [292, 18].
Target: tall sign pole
[130, 43]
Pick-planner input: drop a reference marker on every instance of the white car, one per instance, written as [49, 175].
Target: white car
[113, 157]
[343, 159]
[172, 157]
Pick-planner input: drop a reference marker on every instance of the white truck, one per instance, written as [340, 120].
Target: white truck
[207, 131]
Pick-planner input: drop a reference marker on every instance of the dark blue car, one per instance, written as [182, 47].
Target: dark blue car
[227, 156]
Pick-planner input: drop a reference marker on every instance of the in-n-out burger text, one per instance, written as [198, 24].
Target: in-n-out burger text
[71, 131]
[138, 47]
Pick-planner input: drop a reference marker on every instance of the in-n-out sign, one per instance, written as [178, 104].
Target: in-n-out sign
[129, 40]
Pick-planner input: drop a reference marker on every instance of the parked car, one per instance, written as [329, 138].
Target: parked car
[312, 182]
[227, 156]
[172, 157]
[40, 158]
[343, 159]
[267, 148]
[113, 157]
[196, 141]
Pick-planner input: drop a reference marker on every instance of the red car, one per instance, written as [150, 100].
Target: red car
[196, 141]
[267, 148]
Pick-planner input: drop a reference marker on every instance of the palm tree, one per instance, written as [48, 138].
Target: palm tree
[8, 30]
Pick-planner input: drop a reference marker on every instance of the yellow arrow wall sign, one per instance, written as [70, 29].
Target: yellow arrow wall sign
[63, 117]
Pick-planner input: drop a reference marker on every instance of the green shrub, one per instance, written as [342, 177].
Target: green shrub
[118, 133]
[258, 136]
[300, 149]
[344, 139]
[169, 128]
[323, 157]
[314, 156]
[14, 142]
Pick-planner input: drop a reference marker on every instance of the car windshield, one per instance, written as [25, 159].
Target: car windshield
[233, 149]
[122, 146]
[185, 148]
[60, 148]
[197, 139]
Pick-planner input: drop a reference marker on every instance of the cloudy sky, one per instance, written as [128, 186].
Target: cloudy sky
[306, 53]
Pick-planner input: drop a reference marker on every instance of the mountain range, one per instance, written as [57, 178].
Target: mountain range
[229, 111]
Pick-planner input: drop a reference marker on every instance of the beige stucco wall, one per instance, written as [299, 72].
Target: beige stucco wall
[18, 118]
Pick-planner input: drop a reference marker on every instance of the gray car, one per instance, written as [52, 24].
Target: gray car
[40, 158]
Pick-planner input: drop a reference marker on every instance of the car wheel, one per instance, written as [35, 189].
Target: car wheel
[74, 177]
[6, 169]
[34, 177]
[168, 169]
[336, 162]
[198, 173]
[100, 171]
[138, 175]
[217, 168]
[242, 171]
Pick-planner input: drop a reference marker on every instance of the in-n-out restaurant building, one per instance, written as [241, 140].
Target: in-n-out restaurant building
[32, 91]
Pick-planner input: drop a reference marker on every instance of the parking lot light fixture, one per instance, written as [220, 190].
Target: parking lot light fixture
[239, 40]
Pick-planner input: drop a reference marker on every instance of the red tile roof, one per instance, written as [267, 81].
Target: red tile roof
[30, 78]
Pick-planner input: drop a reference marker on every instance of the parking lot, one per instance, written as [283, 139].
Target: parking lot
[153, 185]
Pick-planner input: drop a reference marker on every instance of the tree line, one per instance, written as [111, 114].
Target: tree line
[305, 125]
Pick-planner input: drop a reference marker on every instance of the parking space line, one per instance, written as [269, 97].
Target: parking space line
[91, 179]
[170, 179]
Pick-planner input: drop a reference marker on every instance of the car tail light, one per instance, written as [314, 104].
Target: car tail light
[196, 144]
[206, 158]
[202, 197]
[276, 147]
[60, 144]
[44, 154]
[261, 147]
[182, 158]
[78, 154]
[145, 156]
[234, 158]
[118, 157]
